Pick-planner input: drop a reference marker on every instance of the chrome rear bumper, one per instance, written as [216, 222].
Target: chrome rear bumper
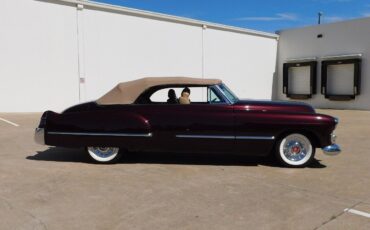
[331, 150]
[40, 136]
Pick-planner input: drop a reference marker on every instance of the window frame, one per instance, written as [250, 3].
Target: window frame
[356, 78]
[312, 79]
[147, 94]
[217, 93]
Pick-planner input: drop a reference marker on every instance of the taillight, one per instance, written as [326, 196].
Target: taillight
[43, 120]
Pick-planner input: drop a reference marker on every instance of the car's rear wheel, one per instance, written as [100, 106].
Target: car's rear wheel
[104, 154]
[295, 150]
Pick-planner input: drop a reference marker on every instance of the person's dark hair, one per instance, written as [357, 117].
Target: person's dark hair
[171, 93]
[172, 99]
[186, 90]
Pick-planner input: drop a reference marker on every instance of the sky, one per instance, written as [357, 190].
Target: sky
[264, 15]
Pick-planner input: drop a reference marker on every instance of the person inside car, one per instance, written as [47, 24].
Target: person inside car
[172, 98]
[185, 96]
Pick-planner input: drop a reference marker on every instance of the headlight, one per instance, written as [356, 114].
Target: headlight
[336, 121]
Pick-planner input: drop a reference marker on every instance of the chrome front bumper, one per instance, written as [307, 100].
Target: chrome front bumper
[40, 136]
[333, 149]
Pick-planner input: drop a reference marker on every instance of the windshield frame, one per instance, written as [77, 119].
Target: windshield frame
[228, 95]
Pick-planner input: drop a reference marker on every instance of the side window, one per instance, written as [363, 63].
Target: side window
[161, 96]
[197, 94]
[213, 98]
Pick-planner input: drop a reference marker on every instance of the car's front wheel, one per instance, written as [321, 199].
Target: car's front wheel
[295, 150]
[104, 154]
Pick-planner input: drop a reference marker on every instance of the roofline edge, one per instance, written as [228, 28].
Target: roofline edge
[167, 17]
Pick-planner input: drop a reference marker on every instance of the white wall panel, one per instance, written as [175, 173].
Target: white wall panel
[46, 46]
[38, 56]
[246, 63]
[121, 48]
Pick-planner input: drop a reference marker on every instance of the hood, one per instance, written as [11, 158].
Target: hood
[281, 106]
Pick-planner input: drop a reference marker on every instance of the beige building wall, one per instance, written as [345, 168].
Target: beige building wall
[341, 38]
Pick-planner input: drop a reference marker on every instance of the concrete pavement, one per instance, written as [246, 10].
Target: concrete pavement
[55, 188]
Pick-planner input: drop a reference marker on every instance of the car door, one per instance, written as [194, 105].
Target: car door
[206, 128]
[253, 130]
[196, 127]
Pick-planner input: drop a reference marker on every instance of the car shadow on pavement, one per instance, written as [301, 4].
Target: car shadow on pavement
[79, 155]
[61, 155]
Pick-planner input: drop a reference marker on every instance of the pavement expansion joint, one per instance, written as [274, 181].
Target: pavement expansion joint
[11, 206]
[333, 217]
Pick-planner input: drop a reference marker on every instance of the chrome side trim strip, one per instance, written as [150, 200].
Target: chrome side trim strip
[255, 138]
[227, 137]
[103, 134]
[205, 136]
[178, 136]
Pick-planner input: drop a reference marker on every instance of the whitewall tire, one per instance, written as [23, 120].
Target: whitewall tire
[295, 150]
[103, 154]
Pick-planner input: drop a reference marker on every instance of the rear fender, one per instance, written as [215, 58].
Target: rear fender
[97, 121]
[65, 129]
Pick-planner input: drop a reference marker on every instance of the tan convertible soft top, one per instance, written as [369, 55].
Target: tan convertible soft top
[128, 92]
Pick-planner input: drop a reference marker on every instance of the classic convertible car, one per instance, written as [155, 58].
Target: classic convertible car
[127, 118]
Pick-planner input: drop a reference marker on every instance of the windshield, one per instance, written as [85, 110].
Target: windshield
[228, 93]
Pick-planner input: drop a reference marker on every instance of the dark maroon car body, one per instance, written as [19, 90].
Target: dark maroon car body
[160, 124]
[246, 127]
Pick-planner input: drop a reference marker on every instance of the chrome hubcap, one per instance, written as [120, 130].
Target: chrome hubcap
[295, 150]
[103, 151]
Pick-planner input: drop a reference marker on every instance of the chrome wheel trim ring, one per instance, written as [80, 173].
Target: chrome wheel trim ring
[103, 154]
[295, 149]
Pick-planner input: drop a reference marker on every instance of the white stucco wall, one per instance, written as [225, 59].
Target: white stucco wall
[348, 37]
[245, 63]
[132, 47]
[47, 46]
[38, 56]
[121, 47]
